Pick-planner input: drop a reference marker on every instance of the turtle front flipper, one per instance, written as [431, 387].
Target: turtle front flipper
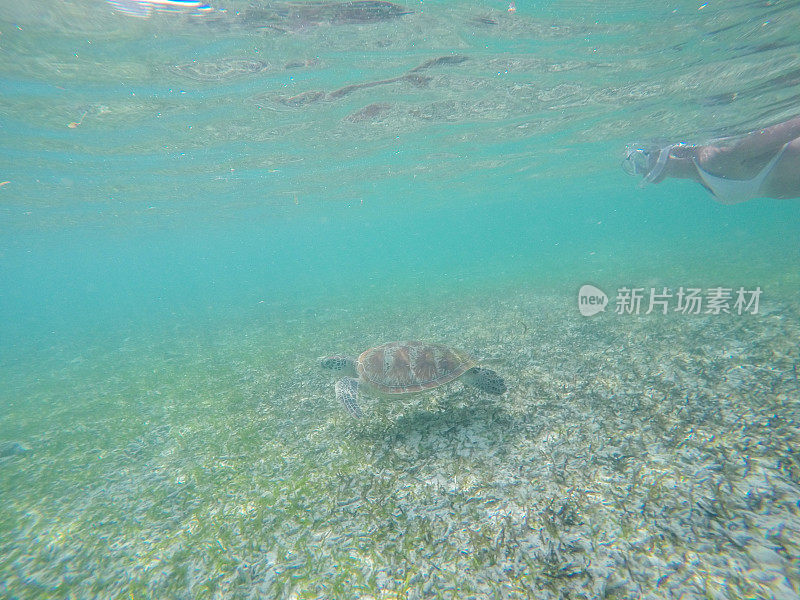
[347, 393]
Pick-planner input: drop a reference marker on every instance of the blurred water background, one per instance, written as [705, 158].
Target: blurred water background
[193, 199]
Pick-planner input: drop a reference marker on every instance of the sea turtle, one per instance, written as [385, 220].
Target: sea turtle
[405, 368]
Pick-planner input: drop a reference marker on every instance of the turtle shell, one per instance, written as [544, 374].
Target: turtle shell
[408, 367]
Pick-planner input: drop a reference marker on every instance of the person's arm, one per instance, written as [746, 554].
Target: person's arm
[743, 157]
[765, 141]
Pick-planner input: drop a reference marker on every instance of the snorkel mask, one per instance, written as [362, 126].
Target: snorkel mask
[646, 161]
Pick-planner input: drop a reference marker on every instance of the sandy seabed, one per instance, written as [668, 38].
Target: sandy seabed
[644, 456]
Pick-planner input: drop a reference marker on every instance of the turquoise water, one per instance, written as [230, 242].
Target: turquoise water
[198, 207]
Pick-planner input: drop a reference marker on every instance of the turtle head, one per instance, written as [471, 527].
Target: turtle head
[485, 380]
[339, 363]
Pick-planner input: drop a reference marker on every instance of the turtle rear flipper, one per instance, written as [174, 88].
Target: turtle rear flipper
[485, 380]
[347, 393]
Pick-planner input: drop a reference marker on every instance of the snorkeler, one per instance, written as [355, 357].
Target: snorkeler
[761, 164]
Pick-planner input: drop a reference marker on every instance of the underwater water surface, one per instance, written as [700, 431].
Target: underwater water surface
[197, 205]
